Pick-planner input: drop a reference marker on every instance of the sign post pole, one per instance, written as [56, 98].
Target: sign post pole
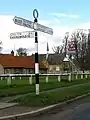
[31, 34]
[35, 15]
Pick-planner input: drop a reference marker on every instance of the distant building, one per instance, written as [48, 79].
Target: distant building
[55, 63]
[10, 64]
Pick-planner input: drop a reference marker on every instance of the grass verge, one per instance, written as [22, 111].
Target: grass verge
[22, 89]
[54, 97]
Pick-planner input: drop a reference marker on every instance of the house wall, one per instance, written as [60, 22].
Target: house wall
[55, 68]
[62, 68]
[1, 69]
[18, 71]
[43, 71]
[69, 67]
[22, 71]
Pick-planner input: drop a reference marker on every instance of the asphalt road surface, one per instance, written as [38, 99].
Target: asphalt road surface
[79, 110]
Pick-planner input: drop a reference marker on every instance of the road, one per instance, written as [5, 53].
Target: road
[79, 110]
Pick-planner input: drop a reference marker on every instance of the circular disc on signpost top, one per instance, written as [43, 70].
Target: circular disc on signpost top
[35, 13]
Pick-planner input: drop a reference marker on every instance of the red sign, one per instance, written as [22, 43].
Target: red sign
[71, 46]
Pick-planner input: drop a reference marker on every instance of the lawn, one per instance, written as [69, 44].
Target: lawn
[21, 86]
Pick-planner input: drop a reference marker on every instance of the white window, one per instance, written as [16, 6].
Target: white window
[57, 68]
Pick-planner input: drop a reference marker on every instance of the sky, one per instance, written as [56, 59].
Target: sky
[61, 15]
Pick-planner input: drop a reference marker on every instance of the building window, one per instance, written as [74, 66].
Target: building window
[57, 68]
[50, 68]
[7, 71]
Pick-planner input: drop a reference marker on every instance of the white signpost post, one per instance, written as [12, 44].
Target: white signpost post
[37, 27]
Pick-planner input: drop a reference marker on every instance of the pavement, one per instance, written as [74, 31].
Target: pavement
[6, 105]
[17, 109]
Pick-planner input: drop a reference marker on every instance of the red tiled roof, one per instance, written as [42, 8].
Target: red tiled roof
[10, 61]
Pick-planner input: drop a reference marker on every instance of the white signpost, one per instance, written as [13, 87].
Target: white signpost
[37, 27]
[26, 34]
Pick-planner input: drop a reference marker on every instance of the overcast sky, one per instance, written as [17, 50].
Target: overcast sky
[62, 16]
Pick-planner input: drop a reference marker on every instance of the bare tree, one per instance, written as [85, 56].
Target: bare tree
[65, 43]
[22, 52]
[57, 49]
[88, 45]
[81, 49]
